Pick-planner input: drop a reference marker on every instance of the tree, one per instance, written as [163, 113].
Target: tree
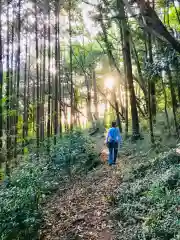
[128, 70]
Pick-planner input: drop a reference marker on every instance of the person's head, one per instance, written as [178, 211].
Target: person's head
[113, 124]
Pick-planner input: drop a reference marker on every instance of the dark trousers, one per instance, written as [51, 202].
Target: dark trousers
[113, 151]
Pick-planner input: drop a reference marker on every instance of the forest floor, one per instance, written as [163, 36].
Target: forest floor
[83, 211]
[120, 202]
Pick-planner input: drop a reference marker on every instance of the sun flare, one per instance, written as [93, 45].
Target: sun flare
[109, 83]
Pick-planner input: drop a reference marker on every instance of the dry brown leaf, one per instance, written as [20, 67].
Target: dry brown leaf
[83, 210]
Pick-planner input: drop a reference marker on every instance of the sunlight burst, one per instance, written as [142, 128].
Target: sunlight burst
[109, 83]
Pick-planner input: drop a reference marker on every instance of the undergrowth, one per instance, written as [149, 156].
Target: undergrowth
[21, 198]
[148, 200]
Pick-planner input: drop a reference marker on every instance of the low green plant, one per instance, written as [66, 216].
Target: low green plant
[148, 200]
[31, 183]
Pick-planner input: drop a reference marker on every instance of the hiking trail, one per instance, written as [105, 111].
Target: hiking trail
[82, 213]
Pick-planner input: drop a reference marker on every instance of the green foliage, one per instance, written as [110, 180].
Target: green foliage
[75, 152]
[148, 199]
[86, 56]
[30, 184]
[20, 217]
[172, 17]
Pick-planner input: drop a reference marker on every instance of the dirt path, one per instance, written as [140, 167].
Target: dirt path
[83, 211]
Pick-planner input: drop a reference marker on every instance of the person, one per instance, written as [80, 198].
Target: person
[113, 139]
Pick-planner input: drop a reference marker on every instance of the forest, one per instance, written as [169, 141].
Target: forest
[68, 68]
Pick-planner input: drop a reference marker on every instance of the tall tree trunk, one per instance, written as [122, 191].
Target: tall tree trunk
[71, 70]
[37, 80]
[60, 79]
[150, 111]
[126, 81]
[95, 95]
[41, 93]
[28, 90]
[49, 78]
[12, 82]
[174, 100]
[89, 100]
[18, 76]
[117, 112]
[129, 75]
[151, 91]
[8, 137]
[57, 81]
[152, 82]
[141, 79]
[165, 104]
[25, 114]
[57, 73]
[43, 85]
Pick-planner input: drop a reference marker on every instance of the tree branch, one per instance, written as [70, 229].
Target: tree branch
[104, 95]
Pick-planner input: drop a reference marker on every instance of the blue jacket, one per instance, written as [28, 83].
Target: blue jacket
[114, 135]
